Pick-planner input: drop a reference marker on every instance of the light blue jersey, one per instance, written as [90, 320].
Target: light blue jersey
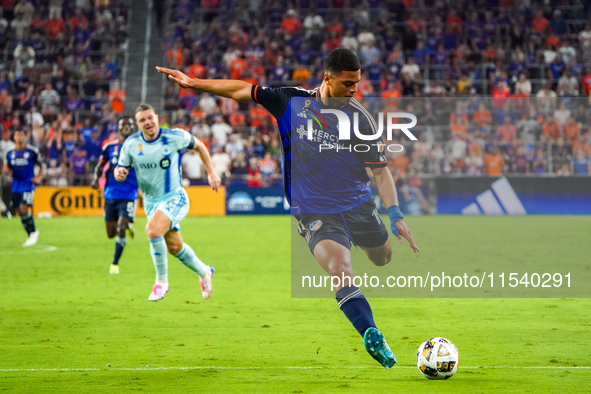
[157, 163]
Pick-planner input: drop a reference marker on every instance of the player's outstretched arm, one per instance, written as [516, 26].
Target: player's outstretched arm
[213, 178]
[120, 173]
[98, 172]
[387, 190]
[230, 88]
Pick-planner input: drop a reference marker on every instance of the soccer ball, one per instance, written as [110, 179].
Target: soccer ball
[438, 358]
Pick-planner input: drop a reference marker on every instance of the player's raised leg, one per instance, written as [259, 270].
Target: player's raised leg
[335, 258]
[158, 225]
[187, 256]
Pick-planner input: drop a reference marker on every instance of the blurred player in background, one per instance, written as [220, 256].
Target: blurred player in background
[154, 154]
[20, 164]
[120, 197]
[331, 199]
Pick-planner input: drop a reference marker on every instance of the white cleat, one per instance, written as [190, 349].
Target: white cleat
[33, 238]
[205, 282]
[158, 292]
[114, 269]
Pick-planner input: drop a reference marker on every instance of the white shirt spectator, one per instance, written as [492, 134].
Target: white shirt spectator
[208, 103]
[523, 87]
[312, 21]
[192, 165]
[220, 130]
[350, 42]
[458, 148]
[5, 145]
[562, 115]
[568, 86]
[568, 53]
[585, 38]
[235, 146]
[412, 70]
[549, 55]
[49, 99]
[221, 162]
[366, 38]
[201, 129]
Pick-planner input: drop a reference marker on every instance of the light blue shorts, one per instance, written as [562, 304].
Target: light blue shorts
[174, 207]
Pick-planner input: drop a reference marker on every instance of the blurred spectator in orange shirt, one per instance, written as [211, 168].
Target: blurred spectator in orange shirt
[290, 23]
[399, 165]
[482, 116]
[196, 70]
[257, 115]
[552, 128]
[117, 98]
[494, 163]
[175, 55]
[572, 130]
[301, 74]
[237, 120]
[237, 66]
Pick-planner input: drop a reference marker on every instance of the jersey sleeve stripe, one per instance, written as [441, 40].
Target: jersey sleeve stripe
[254, 89]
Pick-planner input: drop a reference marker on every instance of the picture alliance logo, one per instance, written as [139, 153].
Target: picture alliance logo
[391, 119]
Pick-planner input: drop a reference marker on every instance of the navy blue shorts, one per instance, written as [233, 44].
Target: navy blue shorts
[116, 208]
[362, 226]
[23, 198]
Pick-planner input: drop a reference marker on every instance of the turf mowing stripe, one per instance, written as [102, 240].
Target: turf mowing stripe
[262, 368]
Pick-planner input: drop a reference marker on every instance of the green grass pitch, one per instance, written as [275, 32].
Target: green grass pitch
[67, 325]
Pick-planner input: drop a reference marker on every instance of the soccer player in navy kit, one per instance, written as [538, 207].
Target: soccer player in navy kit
[120, 197]
[329, 193]
[20, 163]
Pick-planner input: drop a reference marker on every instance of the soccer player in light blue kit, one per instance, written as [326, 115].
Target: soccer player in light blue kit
[154, 154]
[20, 163]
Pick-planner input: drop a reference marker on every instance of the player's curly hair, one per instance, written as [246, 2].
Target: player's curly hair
[339, 60]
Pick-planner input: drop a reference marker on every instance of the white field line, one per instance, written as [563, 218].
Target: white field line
[213, 367]
[34, 249]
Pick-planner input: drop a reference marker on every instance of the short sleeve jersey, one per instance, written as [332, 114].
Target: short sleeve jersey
[22, 164]
[157, 163]
[115, 190]
[320, 179]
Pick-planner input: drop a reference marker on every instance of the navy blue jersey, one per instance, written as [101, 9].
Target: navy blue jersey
[115, 190]
[22, 164]
[321, 180]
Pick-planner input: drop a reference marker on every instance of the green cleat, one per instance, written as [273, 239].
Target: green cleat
[376, 346]
[130, 230]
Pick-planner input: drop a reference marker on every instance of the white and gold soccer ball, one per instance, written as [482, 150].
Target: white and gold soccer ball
[438, 358]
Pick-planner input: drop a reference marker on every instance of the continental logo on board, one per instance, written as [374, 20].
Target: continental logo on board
[86, 201]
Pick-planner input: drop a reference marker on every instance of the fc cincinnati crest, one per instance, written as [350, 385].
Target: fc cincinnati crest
[315, 225]
[26, 155]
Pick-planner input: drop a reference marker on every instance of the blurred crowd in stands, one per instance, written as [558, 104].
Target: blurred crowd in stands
[498, 86]
[60, 72]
